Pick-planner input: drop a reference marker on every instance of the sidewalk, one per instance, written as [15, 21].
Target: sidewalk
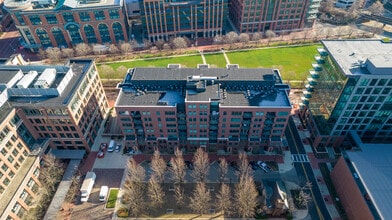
[328, 200]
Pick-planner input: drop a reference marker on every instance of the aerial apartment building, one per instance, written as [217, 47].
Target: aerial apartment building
[251, 16]
[65, 23]
[231, 109]
[349, 89]
[43, 107]
[165, 19]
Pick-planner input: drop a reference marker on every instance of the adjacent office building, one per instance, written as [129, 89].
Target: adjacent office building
[43, 107]
[65, 23]
[349, 89]
[164, 19]
[231, 109]
[250, 16]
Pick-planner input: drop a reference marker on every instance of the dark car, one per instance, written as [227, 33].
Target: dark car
[234, 165]
[189, 164]
[254, 165]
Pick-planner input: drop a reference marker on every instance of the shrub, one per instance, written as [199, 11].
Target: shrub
[122, 212]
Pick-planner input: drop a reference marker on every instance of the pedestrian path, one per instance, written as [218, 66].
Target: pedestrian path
[300, 158]
[203, 57]
[226, 58]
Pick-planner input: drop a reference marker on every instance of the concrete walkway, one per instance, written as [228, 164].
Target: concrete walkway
[226, 58]
[203, 57]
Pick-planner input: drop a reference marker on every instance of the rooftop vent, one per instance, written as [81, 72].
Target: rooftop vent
[27, 79]
[203, 66]
[173, 66]
[46, 79]
[232, 66]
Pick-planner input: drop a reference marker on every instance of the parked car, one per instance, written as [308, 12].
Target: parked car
[189, 164]
[111, 146]
[234, 165]
[254, 165]
[131, 152]
[101, 153]
[103, 146]
[263, 166]
[117, 148]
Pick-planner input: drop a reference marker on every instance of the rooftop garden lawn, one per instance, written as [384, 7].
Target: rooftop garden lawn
[293, 62]
[190, 61]
[216, 60]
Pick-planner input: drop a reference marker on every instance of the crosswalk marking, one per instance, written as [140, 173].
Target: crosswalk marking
[300, 158]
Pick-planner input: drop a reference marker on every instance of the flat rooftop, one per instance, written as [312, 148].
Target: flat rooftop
[356, 57]
[231, 86]
[374, 167]
[79, 68]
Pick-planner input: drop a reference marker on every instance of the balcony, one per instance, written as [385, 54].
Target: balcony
[317, 67]
[307, 94]
[309, 88]
[311, 81]
[322, 52]
[314, 74]
[213, 127]
[319, 59]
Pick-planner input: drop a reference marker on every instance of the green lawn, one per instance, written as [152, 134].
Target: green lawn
[216, 60]
[112, 198]
[185, 61]
[293, 62]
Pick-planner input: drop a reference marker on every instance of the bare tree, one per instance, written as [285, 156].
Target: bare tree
[328, 32]
[133, 196]
[135, 171]
[218, 39]
[223, 169]
[83, 49]
[231, 38]
[179, 43]
[53, 54]
[199, 202]
[121, 71]
[244, 169]
[126, 48]
[113, 49]
[166, 46]
[179, 195]
[134, 187]
[68, 52]
[246, 197]
[177, 167]
[223, 200]
[270, 34]
[107, 71]
[41, 53]
[155, 192]
[158, 166]
[244, 38]
[256, 37]
[159, 44]
[201, 165]
[147, 44]
[377, 8]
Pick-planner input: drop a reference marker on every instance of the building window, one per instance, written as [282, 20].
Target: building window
[35, 19]
[119, 34]
[99, 15]
[51, 18]
[84, 16]
[104, 33]
[74, 33]
[59, 37]
[44, 37]
[114, 14]
[68, 17]
[90, 34]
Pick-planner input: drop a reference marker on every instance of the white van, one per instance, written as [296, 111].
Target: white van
[111, 146]
[103, 193]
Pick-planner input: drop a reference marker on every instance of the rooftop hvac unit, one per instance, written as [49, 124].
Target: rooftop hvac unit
[46, 79]
[27, 79]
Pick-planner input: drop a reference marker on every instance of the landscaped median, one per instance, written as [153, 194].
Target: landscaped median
[111, 202]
